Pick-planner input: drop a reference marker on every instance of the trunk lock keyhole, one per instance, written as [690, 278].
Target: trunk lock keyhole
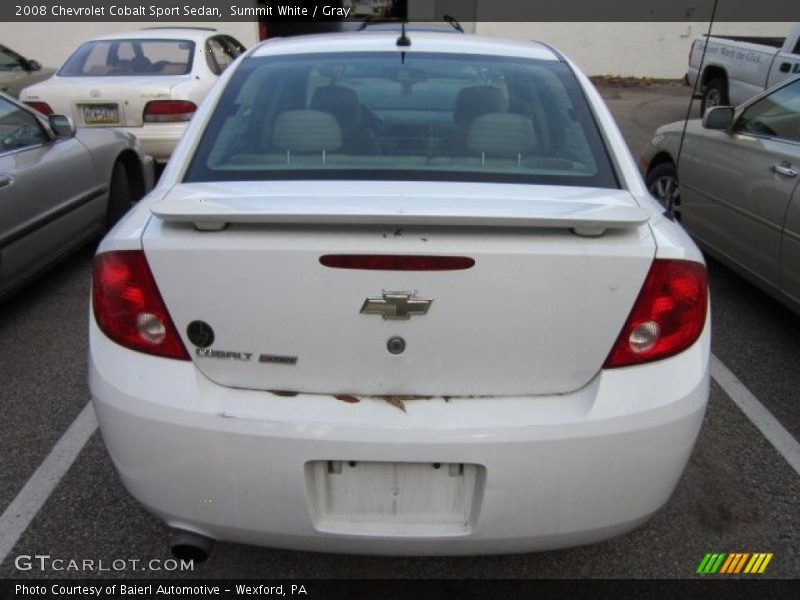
[396, 345]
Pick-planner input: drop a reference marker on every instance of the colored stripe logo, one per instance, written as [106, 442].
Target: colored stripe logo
[735, 562]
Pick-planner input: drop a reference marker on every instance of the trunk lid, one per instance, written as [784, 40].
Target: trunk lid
[537, 313]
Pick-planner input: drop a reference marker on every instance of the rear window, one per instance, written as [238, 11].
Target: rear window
[110, 58]
[398, 116]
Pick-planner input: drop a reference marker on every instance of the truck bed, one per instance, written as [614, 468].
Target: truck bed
[773, 42]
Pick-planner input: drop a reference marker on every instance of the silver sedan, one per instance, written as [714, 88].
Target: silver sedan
[735, 187]
[59, 188]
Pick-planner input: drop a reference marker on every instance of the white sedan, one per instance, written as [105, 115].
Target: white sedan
[400, 296]
[148, 83]
[18, 72]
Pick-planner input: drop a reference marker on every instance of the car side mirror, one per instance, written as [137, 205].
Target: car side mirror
[718, 117]
[62, 126]
[33, 65]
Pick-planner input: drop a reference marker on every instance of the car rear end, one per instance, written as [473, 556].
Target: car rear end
[146, 85]
[445, 319]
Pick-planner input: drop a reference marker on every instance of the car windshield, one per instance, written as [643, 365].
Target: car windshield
[109, 58]
[417, 116]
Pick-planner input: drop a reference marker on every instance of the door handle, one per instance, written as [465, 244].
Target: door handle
[785, 169]
[6, 180]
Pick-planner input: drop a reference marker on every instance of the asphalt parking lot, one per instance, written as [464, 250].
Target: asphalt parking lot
[738, 493]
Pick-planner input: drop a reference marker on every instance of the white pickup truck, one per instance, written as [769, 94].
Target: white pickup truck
[737, 68]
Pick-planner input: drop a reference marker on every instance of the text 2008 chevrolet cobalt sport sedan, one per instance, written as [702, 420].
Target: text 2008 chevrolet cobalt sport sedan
[400, 299]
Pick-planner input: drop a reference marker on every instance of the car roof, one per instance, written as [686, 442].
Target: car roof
[161, 33]
[421, 41]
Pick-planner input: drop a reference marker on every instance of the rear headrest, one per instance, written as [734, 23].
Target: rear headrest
[342, 102]
[501, 134]
[307, 131]
[478, 100]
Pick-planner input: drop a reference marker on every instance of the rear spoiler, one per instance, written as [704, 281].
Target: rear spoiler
[590, 218]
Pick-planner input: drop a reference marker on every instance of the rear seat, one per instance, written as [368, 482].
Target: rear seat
[307, 138]
[501, 140]
[312, 138]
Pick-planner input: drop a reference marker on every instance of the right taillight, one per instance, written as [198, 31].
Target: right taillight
[42, 107]
[668, 316]
[128, 307]
[168, 111]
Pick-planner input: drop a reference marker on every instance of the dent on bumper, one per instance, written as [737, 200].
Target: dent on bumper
[557, 471]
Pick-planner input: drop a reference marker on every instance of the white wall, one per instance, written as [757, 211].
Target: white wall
[658, 50]
[52, 43]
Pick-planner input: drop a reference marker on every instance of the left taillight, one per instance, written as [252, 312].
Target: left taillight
[128, 307]
[42, 107]
[168, 111]
[668, 316]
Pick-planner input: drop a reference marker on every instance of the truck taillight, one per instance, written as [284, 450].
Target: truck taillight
[668, 316]
[168, 111]
[128, 306]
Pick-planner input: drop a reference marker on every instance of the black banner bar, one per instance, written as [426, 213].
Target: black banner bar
[414, 10]
[395, 589]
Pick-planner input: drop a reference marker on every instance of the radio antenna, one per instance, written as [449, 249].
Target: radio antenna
[670, 209]
[403, 41]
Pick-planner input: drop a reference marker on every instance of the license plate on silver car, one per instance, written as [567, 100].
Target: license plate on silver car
[100, 114]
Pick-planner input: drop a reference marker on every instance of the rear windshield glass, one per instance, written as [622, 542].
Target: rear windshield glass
[110, 58]
[415, 116]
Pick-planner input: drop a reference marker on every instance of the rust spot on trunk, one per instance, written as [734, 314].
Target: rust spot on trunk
[347, 398]
[396, 401]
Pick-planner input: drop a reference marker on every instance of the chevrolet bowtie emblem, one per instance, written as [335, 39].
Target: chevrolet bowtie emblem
[396, 306]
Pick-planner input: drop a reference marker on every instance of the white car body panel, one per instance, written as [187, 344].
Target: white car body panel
[66, 95]
[560, 470]
[456, 347]
[559, 453]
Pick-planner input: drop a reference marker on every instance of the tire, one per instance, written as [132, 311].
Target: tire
[662, 182]
[715, 93]
[119, 195]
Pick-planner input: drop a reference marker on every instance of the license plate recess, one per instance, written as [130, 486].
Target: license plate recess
[394, 498]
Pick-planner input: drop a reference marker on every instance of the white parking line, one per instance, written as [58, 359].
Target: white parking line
[22, 510]
[768, 425]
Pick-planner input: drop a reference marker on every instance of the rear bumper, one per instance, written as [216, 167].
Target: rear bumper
[555, 471]
[148, 166]
[158, 139]
[689, 79]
